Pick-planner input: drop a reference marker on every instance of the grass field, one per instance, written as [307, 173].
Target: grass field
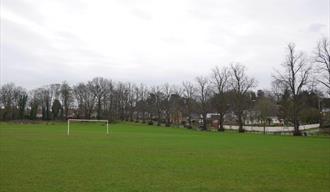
[136, 157]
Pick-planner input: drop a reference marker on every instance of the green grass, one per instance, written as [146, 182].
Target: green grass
[135, 157]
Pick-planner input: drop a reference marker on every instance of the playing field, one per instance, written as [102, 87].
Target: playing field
[136, 157]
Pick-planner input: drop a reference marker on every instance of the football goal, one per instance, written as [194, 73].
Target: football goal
[86, 120]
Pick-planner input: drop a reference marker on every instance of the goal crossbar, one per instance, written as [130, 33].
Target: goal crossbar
[87, 120]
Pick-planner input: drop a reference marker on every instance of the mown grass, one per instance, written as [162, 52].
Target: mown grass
[136, 157]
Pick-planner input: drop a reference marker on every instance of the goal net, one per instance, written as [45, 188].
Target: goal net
[87, 120]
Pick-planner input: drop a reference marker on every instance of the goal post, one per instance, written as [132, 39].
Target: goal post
[86, 120]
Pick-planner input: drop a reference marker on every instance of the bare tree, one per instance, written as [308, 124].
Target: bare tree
[121, 98]
[188, 95]
[131, 100]
[56, 108]
[22, 98]
[125, 101]
[54, 91]
[295, 76]
[240, 84]
[143, 96]
[265, 108]
[98, 87]
[34, 103]
[13, 99]
[85, 99]
[78, 91]
[322, 60]
[219, 79]
[108, 100]
[6, 99]
[203, 94]
[66, 97]
[167, 91]
[176, 105]
[150, 105]
[157, 92]
[277, 90]
[136, 98]
[48, 94]
[46, 99]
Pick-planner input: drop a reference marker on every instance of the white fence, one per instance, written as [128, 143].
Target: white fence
[272, 129]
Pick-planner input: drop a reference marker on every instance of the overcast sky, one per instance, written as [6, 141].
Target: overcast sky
[151, 41]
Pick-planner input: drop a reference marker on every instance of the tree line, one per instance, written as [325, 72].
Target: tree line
[228, 92]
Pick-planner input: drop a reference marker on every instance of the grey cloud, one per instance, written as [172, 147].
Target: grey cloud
[200, 14]
[141, 14]
[172, 43]
[173, 39]
[27, 9]
[316, 27]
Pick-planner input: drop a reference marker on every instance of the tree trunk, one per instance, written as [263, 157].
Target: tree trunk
[143, 117]
[168, 123]
[137, 117]
[99, 109]
[66, 110]
[240, 123]
[221, 122]
[47, 112]
[296, 131]
[159, 117]
[264, 127]
[189, 122]
[204, 127]
[131, 115]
